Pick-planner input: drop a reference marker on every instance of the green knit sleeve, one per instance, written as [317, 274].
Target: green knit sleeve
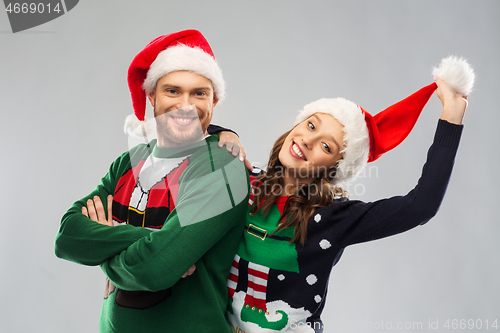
[86, 242]
[212, 199]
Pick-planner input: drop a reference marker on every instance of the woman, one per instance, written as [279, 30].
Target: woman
[300, 219]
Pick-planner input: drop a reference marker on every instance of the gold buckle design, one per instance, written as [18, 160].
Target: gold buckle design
[255, 227]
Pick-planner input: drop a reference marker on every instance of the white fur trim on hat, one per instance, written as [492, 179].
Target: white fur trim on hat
[182, 57]
[457, 73]
[356, 137]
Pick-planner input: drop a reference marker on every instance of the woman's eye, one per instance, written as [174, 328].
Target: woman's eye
[311, 126]
[326, 147]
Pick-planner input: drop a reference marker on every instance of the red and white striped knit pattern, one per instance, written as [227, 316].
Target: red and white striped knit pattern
[257, 286]
[257, 283]
[232, 281]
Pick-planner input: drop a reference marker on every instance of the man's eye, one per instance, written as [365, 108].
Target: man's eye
[172, 91]
[311, 125]
[200, 93]
[326, 147]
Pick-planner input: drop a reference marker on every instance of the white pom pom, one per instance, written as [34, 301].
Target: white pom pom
[131, 124]
[135, 127]
[456, 72]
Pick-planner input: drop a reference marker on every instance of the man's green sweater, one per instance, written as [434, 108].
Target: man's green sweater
[205, 198]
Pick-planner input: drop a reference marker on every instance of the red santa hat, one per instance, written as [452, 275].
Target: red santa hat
[184, 50]
[367, 137]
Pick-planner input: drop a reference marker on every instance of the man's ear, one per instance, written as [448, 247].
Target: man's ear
[216, 100]
[152, 99]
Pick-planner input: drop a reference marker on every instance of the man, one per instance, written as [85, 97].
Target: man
[177, 202]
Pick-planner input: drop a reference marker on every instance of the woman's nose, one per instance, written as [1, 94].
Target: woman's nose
[308, 141]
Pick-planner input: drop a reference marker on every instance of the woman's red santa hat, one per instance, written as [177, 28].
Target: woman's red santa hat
[367, 137]
[184, 50]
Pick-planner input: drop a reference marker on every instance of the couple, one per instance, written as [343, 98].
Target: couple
[184, 237]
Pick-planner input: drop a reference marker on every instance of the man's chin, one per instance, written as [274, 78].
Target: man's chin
[174, 134]
[182, 138]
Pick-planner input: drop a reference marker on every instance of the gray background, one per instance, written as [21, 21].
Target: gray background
[64, 97]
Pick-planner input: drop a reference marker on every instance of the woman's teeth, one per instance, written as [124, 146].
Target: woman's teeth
[297, 151]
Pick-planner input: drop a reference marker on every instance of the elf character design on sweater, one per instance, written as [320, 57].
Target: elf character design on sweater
[278, 286]
[144, 197]
[146, 194]
[264, 259]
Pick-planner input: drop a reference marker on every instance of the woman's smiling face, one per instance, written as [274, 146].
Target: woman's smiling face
[313, 146]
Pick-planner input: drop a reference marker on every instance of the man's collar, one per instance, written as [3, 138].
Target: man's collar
[167, 152]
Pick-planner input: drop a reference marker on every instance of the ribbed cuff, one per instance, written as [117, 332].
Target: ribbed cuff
[448, 134]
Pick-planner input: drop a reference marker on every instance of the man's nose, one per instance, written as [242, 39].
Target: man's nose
[183, 101]
[189, 108]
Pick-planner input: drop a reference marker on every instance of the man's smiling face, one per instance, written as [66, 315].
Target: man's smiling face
[183, 103]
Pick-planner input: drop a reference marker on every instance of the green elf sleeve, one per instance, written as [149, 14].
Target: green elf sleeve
[212, 200]
[86, 242]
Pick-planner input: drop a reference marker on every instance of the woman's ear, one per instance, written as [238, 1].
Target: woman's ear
[333, 171]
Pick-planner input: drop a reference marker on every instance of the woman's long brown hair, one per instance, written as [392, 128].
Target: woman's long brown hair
[301, 205]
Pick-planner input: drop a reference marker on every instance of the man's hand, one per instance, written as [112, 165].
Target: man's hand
[234, 146]
[189, 271]
[95, 211]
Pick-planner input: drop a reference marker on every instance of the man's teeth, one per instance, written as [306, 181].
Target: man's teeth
[183, 120]
[297, 151]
